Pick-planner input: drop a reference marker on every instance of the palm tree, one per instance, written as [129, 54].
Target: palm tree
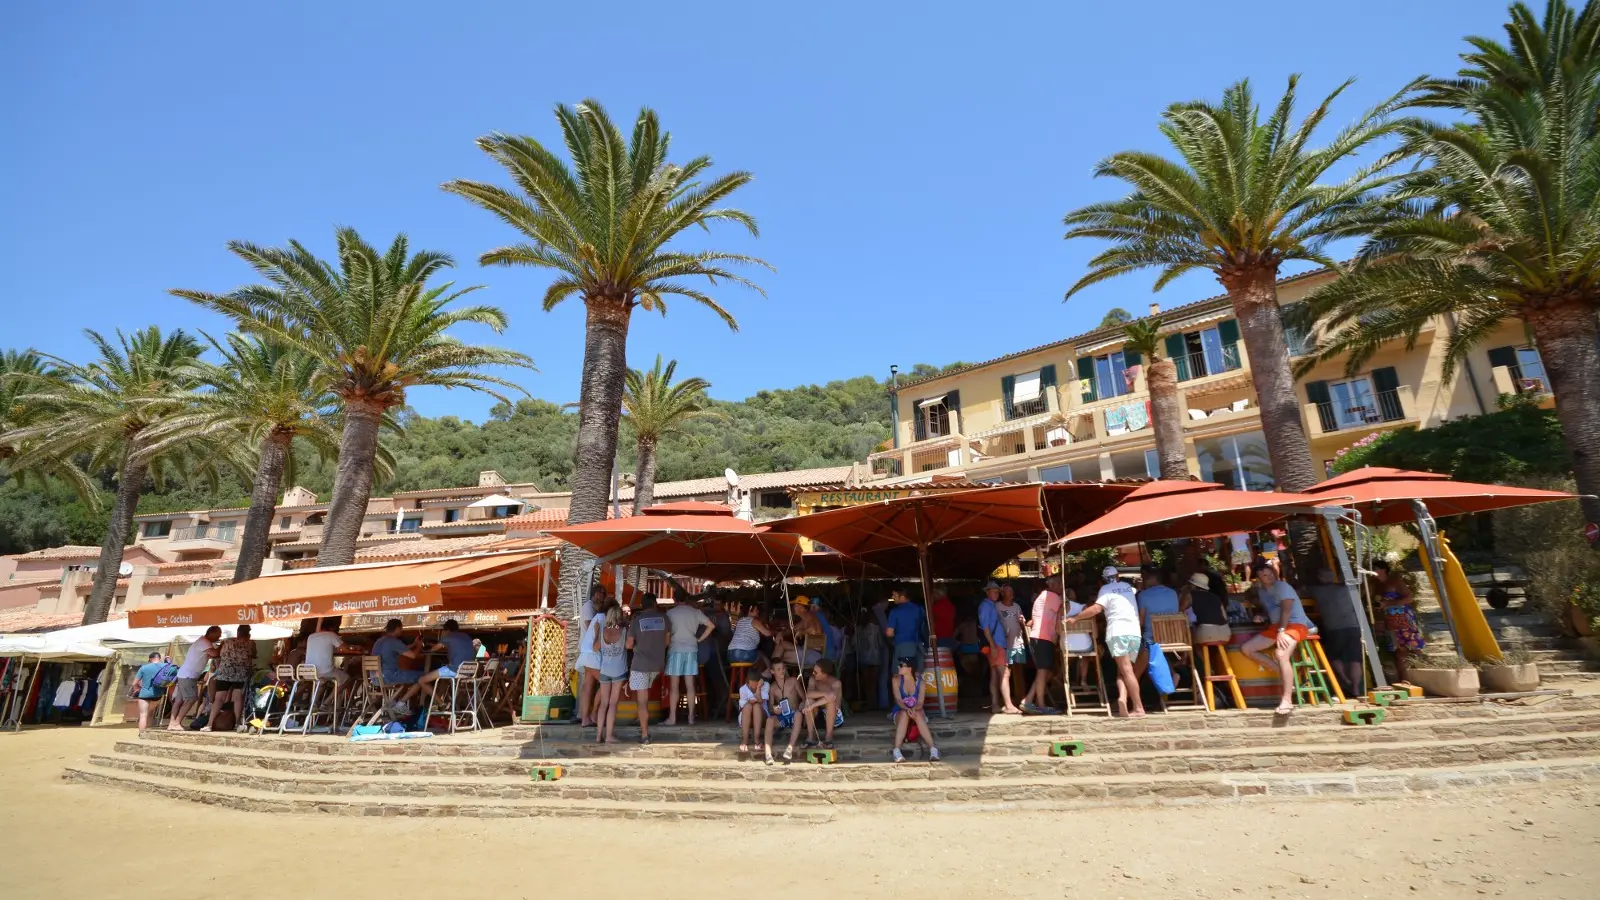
[106, 410]
[22, 375]
[268, 395]
[1500, 223]
[1242, 198]
[604, 225]
[1166, 409]
[655, 407]
[375, 328]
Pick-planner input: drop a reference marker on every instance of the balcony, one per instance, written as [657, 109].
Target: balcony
[1195, 366]
[202, 537]
[927, 455]
[1371, 412]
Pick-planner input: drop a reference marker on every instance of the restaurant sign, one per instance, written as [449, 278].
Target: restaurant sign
[864, 496]
[435, 619]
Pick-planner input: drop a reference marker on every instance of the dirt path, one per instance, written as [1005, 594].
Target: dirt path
[66, 840]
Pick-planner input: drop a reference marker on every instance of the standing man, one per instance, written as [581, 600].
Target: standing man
[906, 628]
[1042, 645]
[647, 638]
[1120, 604]
[686, 627]
[994, 637]
[194, 666]
[144, 687]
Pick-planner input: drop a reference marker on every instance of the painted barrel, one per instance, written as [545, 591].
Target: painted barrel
[940, 678]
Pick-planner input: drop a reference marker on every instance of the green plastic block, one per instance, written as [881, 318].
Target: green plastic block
[1364, 716]
[1066, 748]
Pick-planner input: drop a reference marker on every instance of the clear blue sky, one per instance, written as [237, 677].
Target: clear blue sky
[912, 164]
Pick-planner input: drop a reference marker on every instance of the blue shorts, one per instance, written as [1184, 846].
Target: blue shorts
[744, 656]
[904, 649]
[1017, 656]
[404, 676]
[445, 672]
[683, 663]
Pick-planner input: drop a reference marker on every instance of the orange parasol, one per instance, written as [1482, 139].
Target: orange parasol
[1166, 510]
[698, 540]
[1384, 496]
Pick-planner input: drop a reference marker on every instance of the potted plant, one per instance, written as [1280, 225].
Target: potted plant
[1514, 671]
[1443, 676]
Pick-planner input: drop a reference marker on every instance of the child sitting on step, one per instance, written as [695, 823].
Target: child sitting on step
[752, 703]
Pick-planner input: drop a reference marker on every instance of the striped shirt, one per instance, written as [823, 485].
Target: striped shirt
[745, 636]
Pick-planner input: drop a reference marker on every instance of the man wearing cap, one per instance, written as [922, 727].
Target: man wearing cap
[906, 627]
[1121, 607]
[995, 646]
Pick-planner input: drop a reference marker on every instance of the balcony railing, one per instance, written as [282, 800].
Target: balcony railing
[1384, 406]
[223, 533]
[1029, 408]
[1196, 365]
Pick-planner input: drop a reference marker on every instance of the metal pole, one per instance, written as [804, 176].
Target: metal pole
[1352, 584]
[927, 609]
[1430, 540]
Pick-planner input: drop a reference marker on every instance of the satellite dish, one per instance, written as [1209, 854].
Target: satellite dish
[732, 476]
[125, 569]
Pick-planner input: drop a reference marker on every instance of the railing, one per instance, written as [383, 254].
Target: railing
[1195, 365]
[222, 533]
[1384, 406]
[1029, 408]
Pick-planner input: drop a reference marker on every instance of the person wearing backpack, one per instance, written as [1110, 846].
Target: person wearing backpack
[148, 687]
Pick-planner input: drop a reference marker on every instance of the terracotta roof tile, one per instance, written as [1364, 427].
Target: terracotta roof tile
[31, 621]
[421, 549]
[756, 482]
[70, 551]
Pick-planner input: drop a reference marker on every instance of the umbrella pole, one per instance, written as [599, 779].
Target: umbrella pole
[1352, 584]
[1430, 540]
[927, 611]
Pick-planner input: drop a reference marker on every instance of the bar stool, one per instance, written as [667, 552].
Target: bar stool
[1068, 655]
[736, 673]
[323, 703]
[1221, 648]
[465, 678]
[1311, 680]
[1171, 633]
[376, 694]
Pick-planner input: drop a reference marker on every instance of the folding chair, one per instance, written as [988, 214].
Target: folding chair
[1098, 694]
[1171, 632]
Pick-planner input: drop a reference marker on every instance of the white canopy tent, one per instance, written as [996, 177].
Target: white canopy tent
[119, 633]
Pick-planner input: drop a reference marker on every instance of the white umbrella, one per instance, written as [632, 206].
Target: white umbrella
[497, 500]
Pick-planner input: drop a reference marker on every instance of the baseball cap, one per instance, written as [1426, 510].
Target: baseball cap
[992, 585]
[801, 600]
[1109, 573]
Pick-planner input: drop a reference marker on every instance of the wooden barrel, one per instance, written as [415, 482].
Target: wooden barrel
[940, 679]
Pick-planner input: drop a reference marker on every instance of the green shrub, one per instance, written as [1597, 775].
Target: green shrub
[1547, 541]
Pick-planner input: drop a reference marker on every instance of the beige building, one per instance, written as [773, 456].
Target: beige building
[1077, 409]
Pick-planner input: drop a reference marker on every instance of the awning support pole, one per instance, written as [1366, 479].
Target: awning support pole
[1430, 539]
[927, 612]
[1352, 585]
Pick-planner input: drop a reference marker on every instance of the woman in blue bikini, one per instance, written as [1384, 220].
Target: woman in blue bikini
[907, 688]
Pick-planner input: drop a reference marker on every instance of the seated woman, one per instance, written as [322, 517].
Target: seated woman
[745, 644]
[906, 689]
[1289, 627]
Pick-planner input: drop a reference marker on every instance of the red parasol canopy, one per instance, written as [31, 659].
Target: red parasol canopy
[1164, 510]
[1384, 495]
[698, 540]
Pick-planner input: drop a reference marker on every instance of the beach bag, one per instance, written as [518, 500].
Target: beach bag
[165, 676]
[224, 719]
[1160, 672]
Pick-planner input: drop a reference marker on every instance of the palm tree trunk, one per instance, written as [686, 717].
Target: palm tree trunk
[1569, 345]
[104, 589]
[263, 503]
[644, 476]
[605, 366]
[352, 483]
[1166, 413]
[1254, 294]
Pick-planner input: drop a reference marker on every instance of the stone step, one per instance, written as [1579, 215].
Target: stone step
[263, 755]
[957, 798]
[249, 800]
[722, 781]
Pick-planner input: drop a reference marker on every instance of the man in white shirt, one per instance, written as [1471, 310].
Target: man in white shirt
[686, 628]
[189, 674]
[1120, 604]
[320, 648]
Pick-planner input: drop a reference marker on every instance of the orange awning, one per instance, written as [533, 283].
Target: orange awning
[1383, 495]
[1166, 510]
[699, 540]
[488, 581]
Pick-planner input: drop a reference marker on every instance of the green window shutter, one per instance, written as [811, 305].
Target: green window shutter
[1047, 377]
[1086, 378]
[919, 422]
[1179, 354]
[1385, 384]
[1317, 392]
[1131, 358]
[1008, 388]
[952, 402]
[1228, 332]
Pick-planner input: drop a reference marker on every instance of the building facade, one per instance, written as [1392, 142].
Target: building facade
[1077, 409]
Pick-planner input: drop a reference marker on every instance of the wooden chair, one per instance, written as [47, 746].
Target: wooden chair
[1172, 633]
[1098, 694]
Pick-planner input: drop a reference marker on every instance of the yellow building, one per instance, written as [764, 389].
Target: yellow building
[1076, 409]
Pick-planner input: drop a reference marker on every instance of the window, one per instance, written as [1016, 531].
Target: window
[1295, 335]
[1135, 464]
[285, 522]
[934, 416]
[1524, 367]
[1028, 394]
[775, 500]
[502, 512]
[452, 515]
[1237, 461]
[157, 529]
[1082, 470]
[410, 524]
[1208, 351]
[1356, 402]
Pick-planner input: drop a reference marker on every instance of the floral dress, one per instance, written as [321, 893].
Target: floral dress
[1400, 619]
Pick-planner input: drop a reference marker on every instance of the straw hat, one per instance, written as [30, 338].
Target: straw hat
[1200, 580]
